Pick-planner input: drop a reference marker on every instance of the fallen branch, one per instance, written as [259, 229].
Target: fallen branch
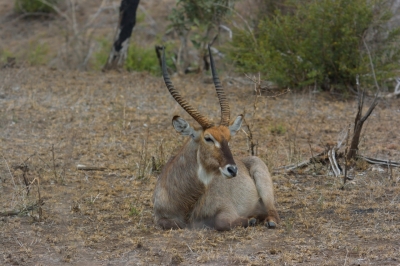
[379, 161]
[332, 156]
[90, 168]
[333, 162]
[317, 158]
[23, 210]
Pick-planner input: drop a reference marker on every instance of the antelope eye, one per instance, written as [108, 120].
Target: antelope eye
[208, 139]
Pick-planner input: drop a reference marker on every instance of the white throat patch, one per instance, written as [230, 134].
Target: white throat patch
[201, 172]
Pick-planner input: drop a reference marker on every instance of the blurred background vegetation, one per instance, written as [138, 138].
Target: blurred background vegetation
[319, 44]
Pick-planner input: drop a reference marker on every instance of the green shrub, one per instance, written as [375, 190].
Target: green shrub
[319, 43]
[38, 53]
[34, 6]
[197, 22]
[142, 59]
[138, 59]
[100, 56]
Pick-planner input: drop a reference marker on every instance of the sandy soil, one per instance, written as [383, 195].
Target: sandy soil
[53, 120]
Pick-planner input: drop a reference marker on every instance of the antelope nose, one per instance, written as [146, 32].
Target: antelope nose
[232, 170]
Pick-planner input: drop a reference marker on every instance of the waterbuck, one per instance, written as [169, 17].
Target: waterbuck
[203, 185]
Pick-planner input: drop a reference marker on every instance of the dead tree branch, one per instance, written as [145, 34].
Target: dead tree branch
[23, 210]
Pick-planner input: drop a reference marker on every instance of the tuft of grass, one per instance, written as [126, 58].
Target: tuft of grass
[133, 211]
[34, 6]
[278, 129]
[38, 53]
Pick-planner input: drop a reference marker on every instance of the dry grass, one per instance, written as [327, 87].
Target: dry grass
[52, 120]
[121, 120]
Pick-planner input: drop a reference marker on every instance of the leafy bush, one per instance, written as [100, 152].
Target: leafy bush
[320, 43]
[138, 58]
[142, 59]
[34, 6]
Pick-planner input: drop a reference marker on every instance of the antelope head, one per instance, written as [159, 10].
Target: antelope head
[213, 153]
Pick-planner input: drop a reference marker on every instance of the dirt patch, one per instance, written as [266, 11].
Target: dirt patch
[51, 121]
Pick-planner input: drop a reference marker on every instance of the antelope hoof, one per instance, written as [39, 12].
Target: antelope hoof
[252, 222]
[270, 225]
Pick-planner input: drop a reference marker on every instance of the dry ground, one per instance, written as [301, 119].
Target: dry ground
[51, 121]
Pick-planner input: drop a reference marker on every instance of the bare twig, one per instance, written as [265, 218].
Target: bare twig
[372, 65]
[345, 157]
[90, 168]
[319, 157]
[54, 163]
[249, 134]
[39, 196]
[245, 22]
[359, 122]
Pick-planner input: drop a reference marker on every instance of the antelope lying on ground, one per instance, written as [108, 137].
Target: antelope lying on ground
[203, 185]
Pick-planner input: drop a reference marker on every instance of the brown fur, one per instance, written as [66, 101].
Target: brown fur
[181, 199]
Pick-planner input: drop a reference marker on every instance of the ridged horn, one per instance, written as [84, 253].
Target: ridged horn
[202, 120]
[223, 102]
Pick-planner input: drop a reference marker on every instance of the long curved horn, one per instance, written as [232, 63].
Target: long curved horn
[223, 102]
[202, 120]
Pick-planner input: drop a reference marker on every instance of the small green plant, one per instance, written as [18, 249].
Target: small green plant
[278, 129]
[4, 56]
[133, 211]
[34, 6]
[38, 53]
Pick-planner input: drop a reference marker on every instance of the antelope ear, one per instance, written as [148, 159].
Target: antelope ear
[236, 125]
[183, 127]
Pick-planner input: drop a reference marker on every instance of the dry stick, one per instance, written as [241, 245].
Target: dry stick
[359, 121]
[390, 170]
[90, 168]
[379, 161]
[25, 169]
[54, 163]
[331, 161]
[250, 140]
[345, 157]
[335, 162]
[245, 22]
[26, 209]
[39, 197]
[291, 167]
